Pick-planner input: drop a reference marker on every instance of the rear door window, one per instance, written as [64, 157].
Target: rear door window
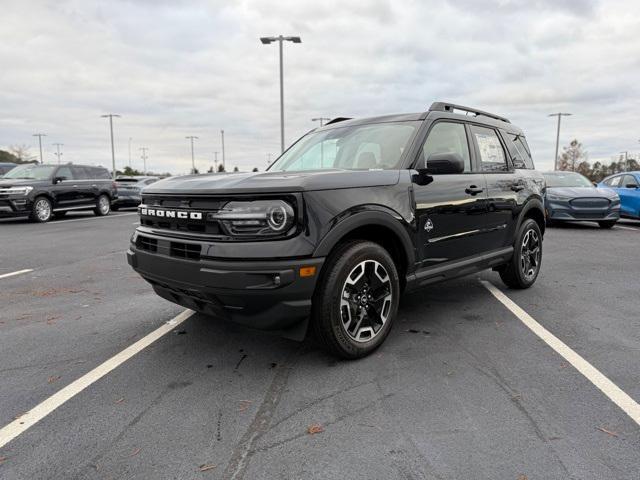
[492, 156]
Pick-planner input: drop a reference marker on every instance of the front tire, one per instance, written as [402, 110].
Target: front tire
[42, 210]
[523, 269]
[607, 224]
[356, 300]
[103, 206]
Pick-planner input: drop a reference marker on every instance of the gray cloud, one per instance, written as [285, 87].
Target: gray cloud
[191, 68]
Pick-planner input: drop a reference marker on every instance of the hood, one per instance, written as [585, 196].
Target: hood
[581, 192]
[273, 182]
[20, 182]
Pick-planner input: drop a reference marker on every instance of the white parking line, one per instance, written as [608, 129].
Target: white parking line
[40, 411]
[610, 389]
[26, 270]
[62, 222]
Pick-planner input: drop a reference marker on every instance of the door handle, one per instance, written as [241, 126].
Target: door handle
[517, 187]
[473, 190]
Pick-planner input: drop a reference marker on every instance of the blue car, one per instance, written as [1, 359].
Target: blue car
[627, 186]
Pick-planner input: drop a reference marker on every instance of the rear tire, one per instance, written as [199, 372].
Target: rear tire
[103, 205]
[41, 210]
[356, 300]
[607, 224]
[524, 267]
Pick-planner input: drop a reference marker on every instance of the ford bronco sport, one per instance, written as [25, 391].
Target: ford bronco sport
[350, 216]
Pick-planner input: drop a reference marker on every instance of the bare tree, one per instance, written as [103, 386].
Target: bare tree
[572, 156]
[22, 153]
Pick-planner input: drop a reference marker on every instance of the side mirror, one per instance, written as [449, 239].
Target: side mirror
[57, 180]
[631, 185]
[445, 163]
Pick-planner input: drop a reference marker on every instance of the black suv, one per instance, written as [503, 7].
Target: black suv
[43, 191]
[349, 217]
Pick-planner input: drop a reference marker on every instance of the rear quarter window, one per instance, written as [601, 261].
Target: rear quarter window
[519, 150]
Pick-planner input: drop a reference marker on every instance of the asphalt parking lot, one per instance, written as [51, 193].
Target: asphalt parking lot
[462, 388]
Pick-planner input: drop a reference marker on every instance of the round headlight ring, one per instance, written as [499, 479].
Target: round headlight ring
[277, 218]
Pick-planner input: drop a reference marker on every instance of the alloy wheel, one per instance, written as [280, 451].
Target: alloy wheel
[365, 301]
[103, 205]
[43, 210]
[530, 254]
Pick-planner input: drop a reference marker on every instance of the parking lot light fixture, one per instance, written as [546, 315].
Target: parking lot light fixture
[113, 151]
[58, 153]
[40, 135]
[193, 161]
[280, 39]
[559, 115]
[321, 120]
[144, 159]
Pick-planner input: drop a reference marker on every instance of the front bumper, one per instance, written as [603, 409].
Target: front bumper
[127, 201]
[563, 211]
[262, 294]
[15, 206]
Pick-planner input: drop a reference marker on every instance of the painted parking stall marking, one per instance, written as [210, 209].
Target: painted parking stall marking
[37, 413]
[606, 386]
[19, 272]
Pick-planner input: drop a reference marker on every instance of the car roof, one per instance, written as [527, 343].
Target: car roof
[135, 177]
[5, 164]
[437, 110]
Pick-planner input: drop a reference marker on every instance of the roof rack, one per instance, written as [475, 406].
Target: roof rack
[450, 107]
[337, 119]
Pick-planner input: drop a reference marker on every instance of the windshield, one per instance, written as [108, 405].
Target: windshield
[566, 179]
[360, 147]
[31, 172]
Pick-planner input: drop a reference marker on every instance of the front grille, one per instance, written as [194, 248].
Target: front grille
[590, 203]
[211, 227]
[146, 243]
[185, 250]
[592, 214]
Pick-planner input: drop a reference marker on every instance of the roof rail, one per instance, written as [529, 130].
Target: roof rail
[337, 119]
[450, 107]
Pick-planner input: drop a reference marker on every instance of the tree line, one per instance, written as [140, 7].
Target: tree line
[575, 159]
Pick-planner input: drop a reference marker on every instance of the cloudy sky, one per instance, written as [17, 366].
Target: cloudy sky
[176, 68]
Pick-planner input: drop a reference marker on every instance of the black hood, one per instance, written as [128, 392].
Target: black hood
[581, 192]
[21, 182]
[274, 182]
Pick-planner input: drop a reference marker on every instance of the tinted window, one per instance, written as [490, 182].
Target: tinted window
[102, 173]
[519, 151]
[491, 153]
[629, 180]
[65, 172]
[447, 137]
[79, 173]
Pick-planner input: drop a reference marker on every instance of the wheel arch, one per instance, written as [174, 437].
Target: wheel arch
[375, 226]
[534, 210]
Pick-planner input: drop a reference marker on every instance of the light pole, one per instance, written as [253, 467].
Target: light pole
[321, 120]
[193, 161]
[130, 151]
[113, 151]
[144, 159]
[215, 161]
[626, 160]
[559, 115]
[224, 163]
[58, 153]
[280, 39]
[40, 135]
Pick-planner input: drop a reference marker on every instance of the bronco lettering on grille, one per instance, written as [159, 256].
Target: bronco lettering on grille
[154, 212]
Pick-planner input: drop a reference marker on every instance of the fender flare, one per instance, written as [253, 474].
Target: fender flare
[363, 219]
[532, 204]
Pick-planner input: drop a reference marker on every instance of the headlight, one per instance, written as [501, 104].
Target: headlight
[17, 190]
[258, 218]
[553, 196]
